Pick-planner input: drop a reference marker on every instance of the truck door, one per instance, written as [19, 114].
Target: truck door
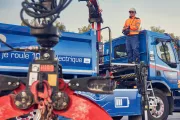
[166, 66]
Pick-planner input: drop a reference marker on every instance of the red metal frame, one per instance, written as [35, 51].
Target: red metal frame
[80, 108]
[96, 4]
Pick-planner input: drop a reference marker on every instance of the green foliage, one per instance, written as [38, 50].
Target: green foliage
[157, 29]
[84, 28]
[22, 24]
[61, 26]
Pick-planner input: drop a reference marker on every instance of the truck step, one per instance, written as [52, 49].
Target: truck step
[176, 97]
[150, 89]
[152, 97]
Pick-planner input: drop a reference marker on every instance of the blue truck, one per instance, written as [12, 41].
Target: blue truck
[79, 57]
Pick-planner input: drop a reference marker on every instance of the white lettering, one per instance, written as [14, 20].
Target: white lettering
[4, 55]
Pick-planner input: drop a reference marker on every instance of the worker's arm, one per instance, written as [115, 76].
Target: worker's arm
[136, 26]
[125, 25]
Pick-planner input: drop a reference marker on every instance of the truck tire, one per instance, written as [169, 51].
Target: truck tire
[137, 117]
[117, 118]
[161, 111]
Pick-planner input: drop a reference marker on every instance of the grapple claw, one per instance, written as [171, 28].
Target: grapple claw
[82, 108]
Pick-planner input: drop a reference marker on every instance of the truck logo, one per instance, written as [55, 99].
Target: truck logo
[92, 96]
[87, 60]
[121, 102]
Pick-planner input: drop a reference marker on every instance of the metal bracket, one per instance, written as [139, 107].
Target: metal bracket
[10, 82]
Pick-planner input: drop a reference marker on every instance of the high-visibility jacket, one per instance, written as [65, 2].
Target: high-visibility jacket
[134, 24]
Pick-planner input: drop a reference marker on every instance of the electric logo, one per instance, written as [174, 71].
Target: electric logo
[118, 102]
[121, 102]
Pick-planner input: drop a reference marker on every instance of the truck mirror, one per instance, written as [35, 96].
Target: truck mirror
[173, 65]
[178, 43]
[178, 53]
[178, 49]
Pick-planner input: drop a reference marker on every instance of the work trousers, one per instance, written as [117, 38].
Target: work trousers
[132, 47]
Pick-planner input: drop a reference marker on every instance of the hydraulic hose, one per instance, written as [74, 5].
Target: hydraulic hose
[45, 11]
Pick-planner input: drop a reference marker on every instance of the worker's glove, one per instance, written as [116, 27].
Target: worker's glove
[126, 31]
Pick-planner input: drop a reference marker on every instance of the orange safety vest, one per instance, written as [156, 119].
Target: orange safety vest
[134, 24]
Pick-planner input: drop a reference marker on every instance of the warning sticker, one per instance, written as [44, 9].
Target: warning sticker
[32, 77]
[35, 67]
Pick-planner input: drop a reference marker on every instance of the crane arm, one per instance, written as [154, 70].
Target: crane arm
[95, 16]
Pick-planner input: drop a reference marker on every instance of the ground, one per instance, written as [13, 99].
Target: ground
[175, 116]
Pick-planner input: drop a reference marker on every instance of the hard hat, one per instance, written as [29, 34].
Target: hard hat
[132, 9]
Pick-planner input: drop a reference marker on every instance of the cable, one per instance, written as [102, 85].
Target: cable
[45, 11]
[6, 44]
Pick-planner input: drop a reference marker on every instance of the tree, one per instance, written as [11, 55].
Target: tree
[61, 26]
[86, 29]
[157, 29]
[22, 23]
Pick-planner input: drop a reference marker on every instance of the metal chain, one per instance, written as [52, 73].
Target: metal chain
[50, 114]
[42, 108]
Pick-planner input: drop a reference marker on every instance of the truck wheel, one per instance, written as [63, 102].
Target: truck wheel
[161, 111]
[117, 118]
[137, 117]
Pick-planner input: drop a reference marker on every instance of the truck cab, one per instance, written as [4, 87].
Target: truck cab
[159, 53]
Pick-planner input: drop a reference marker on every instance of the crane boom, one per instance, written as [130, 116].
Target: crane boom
[95, 16]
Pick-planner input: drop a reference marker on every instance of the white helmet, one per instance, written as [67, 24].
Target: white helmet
[132, 9]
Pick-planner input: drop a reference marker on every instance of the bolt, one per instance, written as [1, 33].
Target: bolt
[17, 103]
[46, 55]
[24, 94]
[59, 94]
[9, 83]
[17, 83]
[28, 103]
[23, 100]
[64, 104]
[77, 84]
[24, 106]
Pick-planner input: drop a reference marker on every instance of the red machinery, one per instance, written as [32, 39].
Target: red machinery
[80, 108]
[95, 16]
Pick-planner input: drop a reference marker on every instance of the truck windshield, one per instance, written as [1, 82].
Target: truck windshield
[120, 51]
[165, 52]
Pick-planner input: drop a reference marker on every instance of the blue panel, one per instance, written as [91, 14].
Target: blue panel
[124, 102]
[68, 51]
[122, 40]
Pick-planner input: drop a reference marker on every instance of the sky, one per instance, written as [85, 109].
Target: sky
[163, 13]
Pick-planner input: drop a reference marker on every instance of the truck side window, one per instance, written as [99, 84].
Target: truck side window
[165, 52]
[120, 51]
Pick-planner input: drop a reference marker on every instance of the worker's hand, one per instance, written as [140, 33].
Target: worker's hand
[125, 28]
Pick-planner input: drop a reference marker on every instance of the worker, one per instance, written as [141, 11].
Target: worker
[131, 30]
